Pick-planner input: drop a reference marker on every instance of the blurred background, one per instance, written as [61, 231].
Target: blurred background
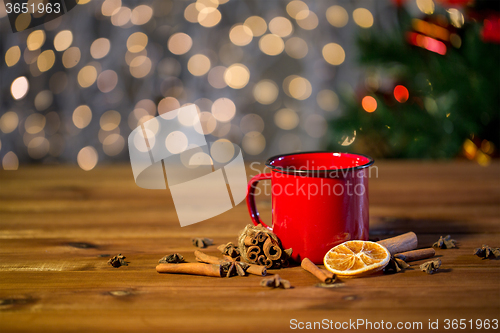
[391, 79]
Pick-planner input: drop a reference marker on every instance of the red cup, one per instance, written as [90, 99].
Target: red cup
[319, 200]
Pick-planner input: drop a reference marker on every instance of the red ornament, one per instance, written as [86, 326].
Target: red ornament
[491, 29]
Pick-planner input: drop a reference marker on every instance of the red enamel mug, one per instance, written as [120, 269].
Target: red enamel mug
[319, 200]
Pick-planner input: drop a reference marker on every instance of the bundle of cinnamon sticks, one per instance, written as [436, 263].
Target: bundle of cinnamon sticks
[262, 249]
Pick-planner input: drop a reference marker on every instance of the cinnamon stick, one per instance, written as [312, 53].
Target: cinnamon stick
[264, 261]
[256, 270]
[203, 257]
[271, 250]
[309, 266]
[249, 241]
[253, 253]
[416, 254]
[401, 243]
[190, 268]
[261, 236]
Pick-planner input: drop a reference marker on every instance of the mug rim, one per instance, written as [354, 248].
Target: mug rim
[304, 172]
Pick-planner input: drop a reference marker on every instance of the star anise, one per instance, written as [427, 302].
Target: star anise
[487, 252]
[173, 258]
[445, 243]
[396, 265]
[431, 267]
[202, 242]
[118, 261]
[275, 282]
[230, 250]
[232, 268]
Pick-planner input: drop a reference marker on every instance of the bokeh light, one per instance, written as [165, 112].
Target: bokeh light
[296, 47]
[137, 41]
[10, 161]
[307, 22]
[222, 150]
[82, 116]
[199, 64]
[265, 92]
[107, 81]
[362, 17]
[179, 43]
[297, 87]
[43, 100]
[223, 109]
[333, 53]
[19, 87]
[34, 123]
[35, 40]
[87, 158]
[100, 48]
[209, 17]
[236, 76]
[369, 104]
[240, 35]
[110, 7]
[176, 142]
[401, 94]
[337, 16]
[9, 122]
[87, 76]
[252, 123]
[113, 144]
[281, 26]
[286, 119]
[253, 143]
[426, 6]
[63, 40]
[12, 56]
[293, 8]
[141, 14]
[327, 100]
[110, 120]
[216, 77]
[71, 57]
[257, 25]
[271, 44]
[46, 60]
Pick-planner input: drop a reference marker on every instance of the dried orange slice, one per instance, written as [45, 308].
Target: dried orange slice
[356, 258]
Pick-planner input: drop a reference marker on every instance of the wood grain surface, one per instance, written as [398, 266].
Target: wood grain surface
[58, 224]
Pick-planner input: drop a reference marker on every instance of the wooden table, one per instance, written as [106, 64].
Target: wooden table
[58, 223]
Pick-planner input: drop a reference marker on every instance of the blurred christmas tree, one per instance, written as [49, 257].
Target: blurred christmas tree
[432, 88]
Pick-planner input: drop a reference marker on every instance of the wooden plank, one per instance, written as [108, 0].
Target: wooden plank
[56, 223]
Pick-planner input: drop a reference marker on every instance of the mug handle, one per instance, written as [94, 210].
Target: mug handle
[252, 208]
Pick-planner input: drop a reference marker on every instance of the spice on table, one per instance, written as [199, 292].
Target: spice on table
[173, 258]
[230, 267]
[487, 252]
[401, 243]
[275, 282]
[191, 268]
[416, 254]
[396, 265]
[431, 267]
[445, 243]
[323, 275]
[259, 245]
[118, 261]
[229, 250]
[202, 242]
